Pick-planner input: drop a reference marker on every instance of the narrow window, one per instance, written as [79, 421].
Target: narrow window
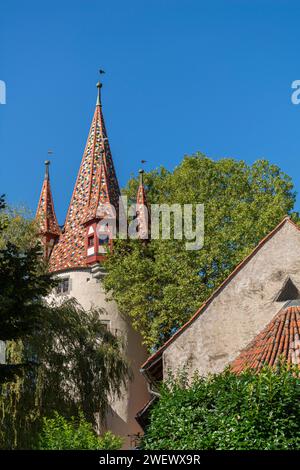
[91, 241]
[63, 286]
[103, 240]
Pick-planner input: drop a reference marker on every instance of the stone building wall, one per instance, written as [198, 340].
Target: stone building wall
[240, 310]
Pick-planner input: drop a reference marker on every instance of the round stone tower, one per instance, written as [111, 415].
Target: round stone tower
[76, 257]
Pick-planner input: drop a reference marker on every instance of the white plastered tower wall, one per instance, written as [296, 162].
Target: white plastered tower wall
[88, 292]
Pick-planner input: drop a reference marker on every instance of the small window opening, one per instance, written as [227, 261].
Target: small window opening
[103, 240]
[91, 241]
[63, 286]
[106, 324]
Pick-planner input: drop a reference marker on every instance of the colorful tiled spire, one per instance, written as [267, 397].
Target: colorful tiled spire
[45, 215]
[96, 184]
[142, 210]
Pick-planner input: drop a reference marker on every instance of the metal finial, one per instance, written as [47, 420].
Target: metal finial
[47, 163]
[141, 172]
[99, 86]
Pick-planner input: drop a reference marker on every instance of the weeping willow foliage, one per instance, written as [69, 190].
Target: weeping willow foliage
[72, 364]
[20, 409]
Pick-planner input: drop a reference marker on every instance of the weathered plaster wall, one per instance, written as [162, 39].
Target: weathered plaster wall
[89, 292]
[241, 309]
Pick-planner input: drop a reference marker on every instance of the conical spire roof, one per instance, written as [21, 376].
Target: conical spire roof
[45, 213]
[142, 210]
[141, 194]
[96, 183]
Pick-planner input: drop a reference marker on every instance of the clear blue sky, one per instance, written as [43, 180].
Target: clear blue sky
[181, 76]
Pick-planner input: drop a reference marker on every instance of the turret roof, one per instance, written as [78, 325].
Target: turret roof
[45, 213]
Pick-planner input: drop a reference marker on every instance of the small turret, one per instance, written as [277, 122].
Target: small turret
[142, 211]
[45, 215]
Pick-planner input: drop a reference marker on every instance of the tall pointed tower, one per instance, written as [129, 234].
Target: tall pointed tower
[45, 215]
[142, 211]
[77, 260]
[96, 187]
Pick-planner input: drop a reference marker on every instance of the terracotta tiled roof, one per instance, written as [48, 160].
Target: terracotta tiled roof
[153, 359]
[142, 209]
[280, 339]
[45, 214]
[96, 183]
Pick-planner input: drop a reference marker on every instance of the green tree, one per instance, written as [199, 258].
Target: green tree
[161, 284]
[81, 363]
[59, 433]
[76, 365]
[249, 411]
[18, 227]
[24, 284]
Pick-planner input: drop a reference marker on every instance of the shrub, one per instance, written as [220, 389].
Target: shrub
[228, 411]
[58, 433]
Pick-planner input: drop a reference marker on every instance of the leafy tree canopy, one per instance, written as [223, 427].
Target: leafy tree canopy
[17, 227]
[81, 363]
[70, 363]
[161, 284]
[23, 278]
[58, 433]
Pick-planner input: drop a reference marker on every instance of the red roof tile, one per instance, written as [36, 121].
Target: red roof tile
[280, 339]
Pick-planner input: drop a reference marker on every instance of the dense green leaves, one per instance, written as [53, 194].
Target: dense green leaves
[161, 285]
[23, 286]
[81, 363]
[70, 363]
[18, 227]
[59, 433]
[228, 412]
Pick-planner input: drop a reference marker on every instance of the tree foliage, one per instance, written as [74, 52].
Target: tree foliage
[228, 412]
[18, 227]
[58, 433]
[24, 284]
[161, 284]
[71, 364]
[23, 288]
[81, 363]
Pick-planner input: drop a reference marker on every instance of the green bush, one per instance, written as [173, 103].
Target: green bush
[59, 433]
[228, 411]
